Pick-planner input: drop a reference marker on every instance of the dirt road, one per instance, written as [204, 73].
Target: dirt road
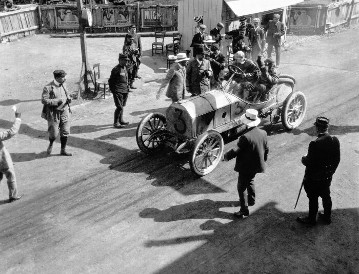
[110, 208]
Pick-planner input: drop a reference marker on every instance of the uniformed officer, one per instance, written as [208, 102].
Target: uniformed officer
[56, 111]
[119, 86]
[321, 163]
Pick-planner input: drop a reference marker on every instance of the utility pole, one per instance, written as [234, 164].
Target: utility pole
[82, 30]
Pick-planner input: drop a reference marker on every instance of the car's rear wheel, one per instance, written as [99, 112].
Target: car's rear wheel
[294, 109]
[207, 152]
[151, 132]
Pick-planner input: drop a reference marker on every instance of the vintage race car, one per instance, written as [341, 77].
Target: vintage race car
[197, 125]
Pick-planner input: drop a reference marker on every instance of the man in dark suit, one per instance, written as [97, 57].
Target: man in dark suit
[251, 153]
[198, 40]
[119, 86]
[274, 30]
[216, 33]
[321, 163]
[134, 40]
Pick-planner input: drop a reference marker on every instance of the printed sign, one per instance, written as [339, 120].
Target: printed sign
[150, 17]
[67, 18]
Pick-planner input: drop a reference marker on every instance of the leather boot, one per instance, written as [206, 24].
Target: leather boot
[116, 118]
[122, 122]
[49, 148]
[63, 147]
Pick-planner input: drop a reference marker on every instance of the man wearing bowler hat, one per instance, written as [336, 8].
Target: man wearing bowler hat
[274, 30]
[119, 86]
[56, 111]
[321, 162]
[198, 74]
[251, 154]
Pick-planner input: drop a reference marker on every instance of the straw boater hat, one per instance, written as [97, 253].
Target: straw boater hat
[181, 57]
[250, 118]
[198, 19]
[209, 39]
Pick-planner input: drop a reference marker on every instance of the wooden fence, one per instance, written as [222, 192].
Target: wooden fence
[305, 19]
[18, 23]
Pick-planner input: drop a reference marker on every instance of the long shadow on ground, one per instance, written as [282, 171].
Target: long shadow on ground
[268, 241]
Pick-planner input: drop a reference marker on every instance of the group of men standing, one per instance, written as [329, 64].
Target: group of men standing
[271, 34]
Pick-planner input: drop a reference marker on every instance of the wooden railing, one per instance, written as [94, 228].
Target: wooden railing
[19, 22]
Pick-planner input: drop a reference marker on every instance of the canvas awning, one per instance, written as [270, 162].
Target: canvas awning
[247, 7]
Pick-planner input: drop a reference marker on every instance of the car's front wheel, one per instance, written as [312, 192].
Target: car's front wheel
[207, 152]
[294, 109]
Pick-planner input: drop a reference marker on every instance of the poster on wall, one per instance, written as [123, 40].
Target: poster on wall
[302, 18]
[117, 17]
[67, 18]
[150, 17]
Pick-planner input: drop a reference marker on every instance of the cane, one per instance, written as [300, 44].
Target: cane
[67, 97]
[300, 190]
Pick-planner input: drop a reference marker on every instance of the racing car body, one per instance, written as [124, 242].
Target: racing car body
[195, 124]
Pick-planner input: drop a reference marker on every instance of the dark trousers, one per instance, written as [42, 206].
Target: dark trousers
[314, 190]
[246, 190]
[277, 52]
[120, 100]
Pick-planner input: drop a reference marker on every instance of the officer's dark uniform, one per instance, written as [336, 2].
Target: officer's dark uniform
[321, 162]
[118, 83]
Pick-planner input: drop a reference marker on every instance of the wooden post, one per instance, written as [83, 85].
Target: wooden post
[82, 31]
[138, 16]
[351, 13]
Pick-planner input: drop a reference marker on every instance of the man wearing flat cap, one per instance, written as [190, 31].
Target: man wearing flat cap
[198, 40]
[216, 33]
[133, 42]
[198, 74]
[274, 30]
[218, 62]
[56, 111]
[321, 162]
[256, 39]
[119, 86]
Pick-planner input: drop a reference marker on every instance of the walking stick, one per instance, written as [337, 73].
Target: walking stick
[300, 190]
[67, 97]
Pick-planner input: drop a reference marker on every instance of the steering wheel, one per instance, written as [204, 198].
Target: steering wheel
[234, 69]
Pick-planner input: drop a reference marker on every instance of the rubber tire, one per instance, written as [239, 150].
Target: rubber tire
[286, 105]
[286, 81]
[287, 76]
[197, 144]
[140, 129]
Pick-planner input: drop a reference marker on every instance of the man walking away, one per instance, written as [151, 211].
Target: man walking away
[321, 163]
[251, 154]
